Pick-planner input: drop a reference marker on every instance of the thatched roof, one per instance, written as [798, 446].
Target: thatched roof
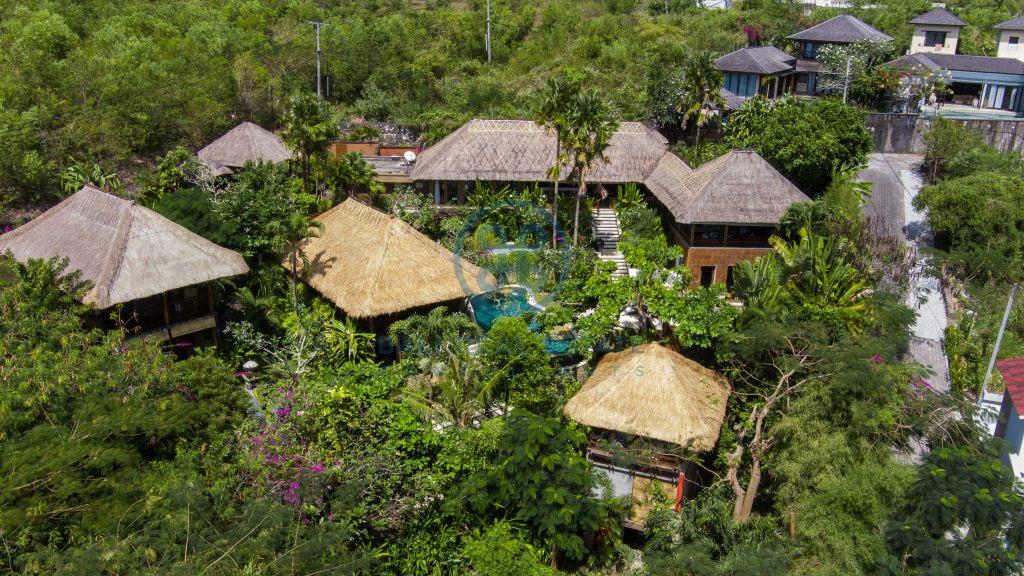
[740, 187]
[522, 151]
[246, 142]
[373, 264]
[656, 393]
[125, 250]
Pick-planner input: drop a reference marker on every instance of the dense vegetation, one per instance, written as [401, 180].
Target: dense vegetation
[834, 458]
[117, 84]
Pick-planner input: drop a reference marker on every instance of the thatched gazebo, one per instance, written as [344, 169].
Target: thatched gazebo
[132, 256]
[657, 397]
[374, 266]
[246, 142]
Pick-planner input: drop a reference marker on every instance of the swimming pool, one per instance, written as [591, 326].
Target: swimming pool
[488, 307]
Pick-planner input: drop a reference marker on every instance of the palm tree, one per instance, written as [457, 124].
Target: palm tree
[553, 113]
[430, 333]
[308, 130]
[349, 173]
[592, 125]
[702, 91]
[345, 340]
[457, 396]
[292, 236]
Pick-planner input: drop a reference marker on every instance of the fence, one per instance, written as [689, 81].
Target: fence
[904, 133]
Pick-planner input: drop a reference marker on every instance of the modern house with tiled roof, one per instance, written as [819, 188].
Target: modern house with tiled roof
[987, 82]
[754, 70]
[842, 29]
[1010, 425]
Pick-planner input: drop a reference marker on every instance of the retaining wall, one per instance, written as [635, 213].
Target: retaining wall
[903, 133]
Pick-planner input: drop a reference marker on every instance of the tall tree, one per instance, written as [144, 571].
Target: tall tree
[592, 124]
[349, 173]
[308, 130]
[293, 235]
[701, 92]
[553, 113]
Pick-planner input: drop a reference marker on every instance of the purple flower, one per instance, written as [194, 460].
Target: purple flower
[318, 468]
[283, 411]
[7, 229]
[877, 359]
[243, 374]
[184, 344]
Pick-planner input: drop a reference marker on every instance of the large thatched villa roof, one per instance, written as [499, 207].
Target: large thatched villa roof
[739, 187]
[246, 142]
[125, 250]
[373, 264]
[522, 151]
[653, 392]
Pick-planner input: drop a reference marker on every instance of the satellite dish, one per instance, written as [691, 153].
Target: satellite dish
[409, 156]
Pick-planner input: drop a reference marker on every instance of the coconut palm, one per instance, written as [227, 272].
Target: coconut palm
[308, 130]
[345, 340]
[458, 396]
[702, 92]
[349, 173]
[592, 124]
[553, 113]
[292, 236]
[428, 334]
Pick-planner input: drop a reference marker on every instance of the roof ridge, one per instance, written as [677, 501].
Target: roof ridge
[114, 257]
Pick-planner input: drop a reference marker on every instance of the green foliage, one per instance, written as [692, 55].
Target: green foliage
[78, 175]
[429, 335]
[308, 130]
[807, 141]
[961, 485]
[526, 378]
[976, 219]
[540, 479]
[193, 209]
[363, 133]
[953, 151]
[256, 207]
[346, 175]
[498, 551]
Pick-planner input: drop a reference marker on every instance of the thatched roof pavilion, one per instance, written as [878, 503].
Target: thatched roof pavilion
[126, 251]
[740, 187]
[522, 151]
[653, 392]
[373, 264]
[246, 142]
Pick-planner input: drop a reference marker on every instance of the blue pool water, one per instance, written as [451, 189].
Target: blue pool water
[490, 306]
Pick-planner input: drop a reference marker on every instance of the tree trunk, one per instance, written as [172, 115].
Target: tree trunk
[576, 218]
[554, 217]
[295, 276]
[744, 507]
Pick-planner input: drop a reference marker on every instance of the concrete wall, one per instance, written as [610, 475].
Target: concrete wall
[1007, 50]
[952, 37]
[904, 133]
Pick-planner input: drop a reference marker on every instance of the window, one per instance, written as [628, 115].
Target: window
[707, 275]
[728, 276]
[809, 51]
[934, 38]
[741, 84]
[1013, 41]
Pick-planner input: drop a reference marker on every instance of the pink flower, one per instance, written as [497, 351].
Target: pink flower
[282, 412]
[877, 359]
[318, 468]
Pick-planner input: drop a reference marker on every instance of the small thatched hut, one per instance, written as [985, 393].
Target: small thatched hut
[246, 142]
[373, 265]
[132, 256]
[656, 397]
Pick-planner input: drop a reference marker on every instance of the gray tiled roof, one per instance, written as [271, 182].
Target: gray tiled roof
[960, 62]
[756, 60]
[1014, 24]
[940, 17]
[844, 28]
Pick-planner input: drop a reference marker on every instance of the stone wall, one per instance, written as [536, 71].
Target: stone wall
[904, 133]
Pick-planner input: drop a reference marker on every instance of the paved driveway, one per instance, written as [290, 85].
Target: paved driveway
[895, 181]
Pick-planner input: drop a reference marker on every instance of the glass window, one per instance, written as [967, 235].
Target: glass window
[709, 235]
[750, 235]
[934, 38]
[1014, 40]
[809, 51]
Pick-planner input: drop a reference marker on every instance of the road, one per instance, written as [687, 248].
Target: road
[895, 181]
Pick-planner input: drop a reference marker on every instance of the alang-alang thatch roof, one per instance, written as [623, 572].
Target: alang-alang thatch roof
[373, 264]
[125, 250]
[246, 142]
[653, 392]
[740, 187]
[522, 151]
